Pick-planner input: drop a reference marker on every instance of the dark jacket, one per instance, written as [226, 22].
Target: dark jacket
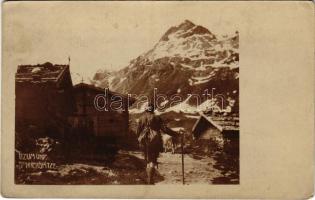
[149, 131]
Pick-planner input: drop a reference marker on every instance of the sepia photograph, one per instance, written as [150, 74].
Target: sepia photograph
[167, 115]
[147, 99]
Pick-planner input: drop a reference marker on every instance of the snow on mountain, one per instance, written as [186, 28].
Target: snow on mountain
[184, 107]
[188, 59]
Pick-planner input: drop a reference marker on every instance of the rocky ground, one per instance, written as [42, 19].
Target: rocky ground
[197, 170]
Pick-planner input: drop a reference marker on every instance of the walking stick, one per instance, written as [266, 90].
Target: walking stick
[182, 146]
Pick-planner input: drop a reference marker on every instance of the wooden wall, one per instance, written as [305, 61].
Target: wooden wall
[103, 123]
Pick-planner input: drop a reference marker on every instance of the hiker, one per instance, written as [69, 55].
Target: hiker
[150, 139]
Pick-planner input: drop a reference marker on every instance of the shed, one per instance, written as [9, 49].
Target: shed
[224, 130]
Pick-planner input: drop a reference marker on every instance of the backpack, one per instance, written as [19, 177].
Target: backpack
[151, 139]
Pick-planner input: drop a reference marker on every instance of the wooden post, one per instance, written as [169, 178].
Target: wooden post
[182, 146]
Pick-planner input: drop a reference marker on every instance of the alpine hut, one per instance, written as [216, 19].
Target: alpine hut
[43, 98]
[100, 112]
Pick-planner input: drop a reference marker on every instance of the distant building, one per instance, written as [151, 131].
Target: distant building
[222, 130]
[112, 122]
[43, 98]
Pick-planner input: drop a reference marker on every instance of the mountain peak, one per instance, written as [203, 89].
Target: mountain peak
[186, 25]
[188, 58]
[188, 22]
[186, 29]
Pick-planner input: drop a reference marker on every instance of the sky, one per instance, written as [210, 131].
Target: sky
[100, 35]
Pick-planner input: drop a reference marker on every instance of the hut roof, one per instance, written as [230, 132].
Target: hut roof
[46, 72]
[88, 87]
[222, 123]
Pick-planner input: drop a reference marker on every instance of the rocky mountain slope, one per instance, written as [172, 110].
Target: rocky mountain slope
[188, 59]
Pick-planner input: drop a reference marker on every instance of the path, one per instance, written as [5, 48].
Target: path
[197, 171]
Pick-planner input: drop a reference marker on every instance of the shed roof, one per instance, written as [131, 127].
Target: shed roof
[222, 123]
